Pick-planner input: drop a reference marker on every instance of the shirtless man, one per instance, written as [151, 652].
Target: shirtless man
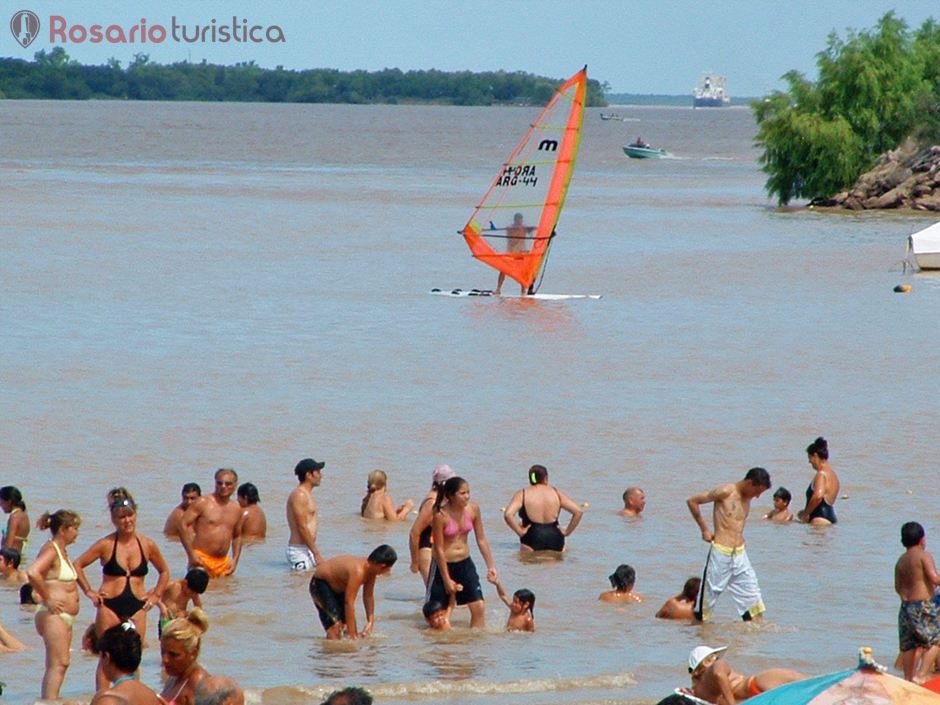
[191, 492]
[336, 583]
[211, 525]
[915, 577]
[714, 681]
[727, 565]
[302, 551]
[515, 242]
[634, 501]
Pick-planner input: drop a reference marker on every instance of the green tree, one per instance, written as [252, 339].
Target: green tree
[870, 95]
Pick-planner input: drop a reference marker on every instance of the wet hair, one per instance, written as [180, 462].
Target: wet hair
[11, 556]
[197, 579]
[383, 555]
[911, 534]
[13, 496]
[123, 644]
[223, 471]
[819, 447]
[758, 477]
[249, 492]
[691, 588]
[90, 640]
[432, 607]
[349, 696]
[448, 490]
[784, 494]
[377, 480]
[27, 596]
[526, 597]
[676, 699]
[624, 578]
[191, 487]
[629, 491]
[62, 519]
[187, 630]
[537, 474]
[119, 498]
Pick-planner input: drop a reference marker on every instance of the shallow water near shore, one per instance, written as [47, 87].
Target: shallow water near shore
[192, 286]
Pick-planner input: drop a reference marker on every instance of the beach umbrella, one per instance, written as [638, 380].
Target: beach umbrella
[868, 684]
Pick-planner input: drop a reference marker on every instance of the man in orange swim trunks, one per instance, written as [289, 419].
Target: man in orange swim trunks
[212, 525]
[714, 681]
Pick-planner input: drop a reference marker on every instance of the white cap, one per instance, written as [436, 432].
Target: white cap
[700, 653]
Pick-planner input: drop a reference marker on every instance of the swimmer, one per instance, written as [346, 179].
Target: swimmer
[453, 570]
[419, 539]
[520, 608]
[622, 580]
[823, 491]
[915, 580]
[539, 507]
[302, 552]
[682, 605]
[219, 690]
[179, 652]
[212, 525]
[254, 523]
[335, 584]
[10, 572]
[191, 492]
[16, 531]
[125, 557]
[378, 504]
[781, 512]
[179, 593]
[634, 502]
[53, 579]
[437, 615]
[121, 648]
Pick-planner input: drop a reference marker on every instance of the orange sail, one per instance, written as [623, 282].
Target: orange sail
[512, 228]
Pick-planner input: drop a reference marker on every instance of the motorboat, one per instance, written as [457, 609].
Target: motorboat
[925, 246]
[642, 150]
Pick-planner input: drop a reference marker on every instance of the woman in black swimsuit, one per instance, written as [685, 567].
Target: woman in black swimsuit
[823, 490]
[124, 557]
[538, 507]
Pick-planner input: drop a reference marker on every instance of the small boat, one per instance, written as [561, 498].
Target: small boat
[612, 116]
[925, 246]
[642, 150]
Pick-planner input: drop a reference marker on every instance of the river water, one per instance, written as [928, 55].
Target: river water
[191, 286]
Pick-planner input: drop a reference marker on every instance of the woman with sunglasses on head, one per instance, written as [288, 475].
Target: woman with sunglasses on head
[125, 558]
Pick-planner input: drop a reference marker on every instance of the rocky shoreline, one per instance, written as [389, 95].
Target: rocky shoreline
[904, 178]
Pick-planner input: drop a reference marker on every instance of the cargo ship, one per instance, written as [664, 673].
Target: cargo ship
[711, 92]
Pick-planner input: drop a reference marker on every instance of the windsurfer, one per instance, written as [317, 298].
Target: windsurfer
[515, 242]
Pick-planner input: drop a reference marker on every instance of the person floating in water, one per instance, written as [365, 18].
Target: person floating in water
[515, 242]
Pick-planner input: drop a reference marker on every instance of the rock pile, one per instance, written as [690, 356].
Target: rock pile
[902, 178]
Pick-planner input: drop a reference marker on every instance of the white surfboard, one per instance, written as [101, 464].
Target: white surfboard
[489, 292]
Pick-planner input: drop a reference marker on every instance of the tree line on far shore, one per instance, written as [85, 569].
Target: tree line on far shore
[53, 76]
[875, 89]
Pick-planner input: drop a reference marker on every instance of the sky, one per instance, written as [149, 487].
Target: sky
[635, 46]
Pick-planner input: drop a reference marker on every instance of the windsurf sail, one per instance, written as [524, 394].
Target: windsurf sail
[512, 228]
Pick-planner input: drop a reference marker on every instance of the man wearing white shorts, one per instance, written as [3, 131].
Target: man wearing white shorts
[727, 566]
[302, 553]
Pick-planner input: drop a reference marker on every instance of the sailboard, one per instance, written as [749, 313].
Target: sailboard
[513, 227]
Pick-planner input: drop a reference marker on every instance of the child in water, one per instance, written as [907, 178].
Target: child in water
[781, 512]
[437, 615]
[520, 609]
[179, 593]
[623, 579]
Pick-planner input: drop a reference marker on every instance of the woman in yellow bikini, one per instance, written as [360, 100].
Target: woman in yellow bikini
[53, 578]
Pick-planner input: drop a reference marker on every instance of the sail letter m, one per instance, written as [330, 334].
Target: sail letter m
[548, 146]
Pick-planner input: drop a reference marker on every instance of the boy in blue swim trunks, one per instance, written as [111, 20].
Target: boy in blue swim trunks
[915, 577]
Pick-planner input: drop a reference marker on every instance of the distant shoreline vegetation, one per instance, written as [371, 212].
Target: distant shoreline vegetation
[54, 76]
